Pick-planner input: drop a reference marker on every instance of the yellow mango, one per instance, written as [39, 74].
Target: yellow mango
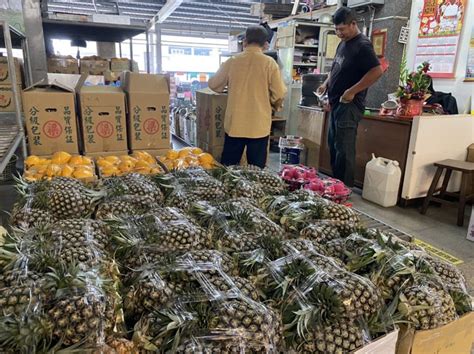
[60, 158]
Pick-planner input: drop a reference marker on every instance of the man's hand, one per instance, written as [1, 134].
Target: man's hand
[322, 89]
[348, 96]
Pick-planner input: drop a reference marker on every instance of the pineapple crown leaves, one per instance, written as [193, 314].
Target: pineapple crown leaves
[70, 279]
[173, 323]
[320, 306]
[25, 334]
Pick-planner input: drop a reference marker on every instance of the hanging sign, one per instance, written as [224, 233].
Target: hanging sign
[439, 35]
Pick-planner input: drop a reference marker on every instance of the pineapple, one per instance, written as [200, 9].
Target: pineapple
[21, 298]
[321, 290]
[320, 232]
[26, 217]
[124, 206]
[83, 308]
[148, 291]
[426, 304]
[342, 336]
[133, 184]
[303, 246]
[253, 325]
[71, 203]
[208, 261]
[207, 188]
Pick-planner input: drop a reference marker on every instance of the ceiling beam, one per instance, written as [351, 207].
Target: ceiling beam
[166, 11]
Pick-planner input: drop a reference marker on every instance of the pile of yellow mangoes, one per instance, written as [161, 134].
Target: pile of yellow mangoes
[61, 164]
[140, 162]
[187, 157]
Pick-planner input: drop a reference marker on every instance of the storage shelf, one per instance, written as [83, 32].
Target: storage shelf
[306, 46]
[305, 64]
[180, 139]
[10, 139]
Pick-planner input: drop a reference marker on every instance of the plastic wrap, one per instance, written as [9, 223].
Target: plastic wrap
[126, 205]
[450, 276]
[219, 312]
[164, 229]
[426, 303]
[314, 289]
[63, 198]
[132, 184]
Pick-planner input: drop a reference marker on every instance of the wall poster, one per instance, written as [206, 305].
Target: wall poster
[470, 59]
[439, 34]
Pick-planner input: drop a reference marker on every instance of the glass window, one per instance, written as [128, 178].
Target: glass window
[202, 51]
[180, 50]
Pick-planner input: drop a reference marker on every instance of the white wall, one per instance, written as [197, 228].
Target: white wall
[463, 91]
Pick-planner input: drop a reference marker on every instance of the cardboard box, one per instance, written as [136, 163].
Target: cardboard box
[386, 344]
[210, 109]
[454, 338]
[120, 64]
[103, 122]
[63, 65]
[95, 155]
[149, 117]
[5, 77]
[112, 76]
[214, 150]
[94, 65]
[6, 98]
[50, 116]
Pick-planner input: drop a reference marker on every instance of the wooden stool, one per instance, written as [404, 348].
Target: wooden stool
[467, 170]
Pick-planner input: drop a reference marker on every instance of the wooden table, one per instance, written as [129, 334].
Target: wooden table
[384, 136]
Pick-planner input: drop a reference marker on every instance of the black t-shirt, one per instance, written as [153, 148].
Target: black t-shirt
[354, 59]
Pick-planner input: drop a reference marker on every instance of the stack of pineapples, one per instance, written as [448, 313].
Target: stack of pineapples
[207, 261]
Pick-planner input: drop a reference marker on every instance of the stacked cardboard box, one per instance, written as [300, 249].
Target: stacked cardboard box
[94, 65]
[7, 103]
[148, 119]
[63, 64]
[456, 337]
[102, 118]
[50, 117]
[210, 109]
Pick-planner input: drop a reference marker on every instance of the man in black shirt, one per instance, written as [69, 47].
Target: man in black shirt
[354, 70]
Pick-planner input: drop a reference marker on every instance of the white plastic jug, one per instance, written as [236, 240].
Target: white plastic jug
[382, 181]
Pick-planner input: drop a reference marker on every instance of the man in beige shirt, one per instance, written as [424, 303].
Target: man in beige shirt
[255, 88]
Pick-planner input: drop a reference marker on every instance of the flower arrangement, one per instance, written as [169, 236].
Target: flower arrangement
[415, 86]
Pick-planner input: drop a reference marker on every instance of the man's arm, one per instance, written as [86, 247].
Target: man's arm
[367, 80]
[324, 87]
[220, 80]
[277, 88]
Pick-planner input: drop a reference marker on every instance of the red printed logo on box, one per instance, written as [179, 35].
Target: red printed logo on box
[151, 126]
[52, 129]
[105, 129]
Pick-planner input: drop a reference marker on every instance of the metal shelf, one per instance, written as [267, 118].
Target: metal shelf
[305, 64]
[11, 123]
[89, 31]
[306, 46]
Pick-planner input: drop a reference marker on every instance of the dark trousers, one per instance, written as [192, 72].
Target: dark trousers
[234, 148]
[344, 121]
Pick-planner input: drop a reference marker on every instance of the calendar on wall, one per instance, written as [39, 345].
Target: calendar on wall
[439, 34]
